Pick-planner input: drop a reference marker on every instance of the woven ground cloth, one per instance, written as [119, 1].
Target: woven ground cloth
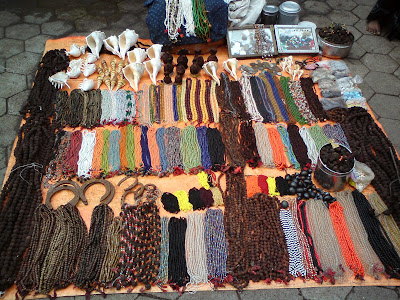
[172, 184]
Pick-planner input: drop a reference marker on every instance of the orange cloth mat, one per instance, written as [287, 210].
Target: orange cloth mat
[170, 184]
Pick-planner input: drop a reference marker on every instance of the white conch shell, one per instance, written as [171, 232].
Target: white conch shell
[111, 44]
[74, 50]
[230, 65]
[89, 69]
[133, 73]
[59, 79]
[74, 73]
[210, 68]
[154, 51]
[86, 85]
[126, 40]
[91, 58]
[95, 42]
[153, 66]
[137, 55]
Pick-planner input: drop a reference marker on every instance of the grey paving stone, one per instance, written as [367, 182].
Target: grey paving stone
[361, 11]
[395, 54]
[130, 6]
[356, 67]
[11, 84]
[7, 18]
[3, 159]
[385, 106]
[169, 295]
[23, 63]
[357, 34]
[109, 296]
[8, 129]
[371, 292]
[90, 22]
[271, 294]
[37, 43]
[2, 65]
[383, 83]
[375, 44]
[326, 293]
[392, 128]
[316, 7]
[2, 175]
[38, 17]
[356, 51]
[71, 14]
[342, 5]
[366, 90]
[123, 21]
[16, 102]
[361, 25]
[56, 28]
[320, 21]
[216, 295]
[103, 8]
[343, 17]
[29, 79]
[1, 32]
[380, 62]
[10, 47]
[3, 108]
[397, 73]
[22, 31]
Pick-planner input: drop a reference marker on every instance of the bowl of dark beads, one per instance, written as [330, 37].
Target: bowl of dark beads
[335, 163]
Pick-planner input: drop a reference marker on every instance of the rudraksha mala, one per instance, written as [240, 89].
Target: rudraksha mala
[21, 194]
[312, 98]
[230, 136]
[248, 144]
[298, 146]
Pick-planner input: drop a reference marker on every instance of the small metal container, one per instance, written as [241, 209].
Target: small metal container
[269, 14]
[328, 179]
[332, 50]
[289, 13]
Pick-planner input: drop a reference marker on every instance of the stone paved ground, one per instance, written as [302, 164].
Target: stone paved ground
[25, 25]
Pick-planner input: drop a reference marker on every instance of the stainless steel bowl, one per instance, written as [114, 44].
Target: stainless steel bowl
[333, 50]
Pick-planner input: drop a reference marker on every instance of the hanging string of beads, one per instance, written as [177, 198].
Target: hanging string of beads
[190, 149]
[312, 151]
[248, 144]
[298, 146]
[336, 133]
[202, 26]
[263, 145]
[287, 145]
[312, 98]
[319, 137]
[290, 101]
[162, 275]
[248, 98]
[277, 148]
[203, 144]
[216, 147]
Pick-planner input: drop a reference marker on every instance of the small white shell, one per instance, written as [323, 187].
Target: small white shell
[111, 44]
[133, 73]
[75, 63]
[230, 65]
[153, 66]
[86, 85]
[74, 73]
[91, 58]
[95, 42]
[74, 51]
[59, 79]
[83, 49]
[89, 69]
[210, 68]
[137, 55]
[126, 40]
[154, 51]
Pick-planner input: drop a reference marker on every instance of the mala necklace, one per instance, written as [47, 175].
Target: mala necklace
[86, 153]
[143, 109]
[377, 237]
[216, 147]
[137, 134]
[207, 101]
[238, 101]
[298, 146]
[145, 149]
[175, 106]
[277, 148]
[313, 102]
[122, 148]
[263, 145]
[172, 147]
[271, 98]
[296, 267]
[162, 275]
[201, 24]
[104, 154]
[187, 11]
[97, 153]
[319, 137]
[248, 98]
[214, 102]
[282, 96]
[370, 261]
[173, 19]
[177, 271]
[387, 221]
[106, 107]
[73, 151]
[130, 147]
[262, 110]
[195, 247]
[216, 245]
[183, 200]
[301, 101]
[274, 95]
[312, 151]
[188, 97]
[61, 109]
[113, 153]
[326, 242]
[288, 146]
[160, 137]
[168, 104]
[336, 133]
[226, 92]
[230, 136]
[290, 101]
[203, 144]
[248, 143]
[154, 151]
[190, 149]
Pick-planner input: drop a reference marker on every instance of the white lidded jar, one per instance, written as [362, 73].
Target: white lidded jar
[289, 13]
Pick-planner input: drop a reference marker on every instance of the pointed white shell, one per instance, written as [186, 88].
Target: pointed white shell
[230, 65]
[86, 85]
[91, 58]
[153, 66]
[95, 42]
[137, 55]
[74, 73]
[59, 79]
[111, 44]
[154, 51]
[74, 50]
[126, 40]
[210, 68]
[88, 69]
[133, 73]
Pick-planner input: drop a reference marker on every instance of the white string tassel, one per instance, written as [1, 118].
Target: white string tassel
[187, 11]
[196, 258]
[86, 153]
[312, 151]
[263, 145]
